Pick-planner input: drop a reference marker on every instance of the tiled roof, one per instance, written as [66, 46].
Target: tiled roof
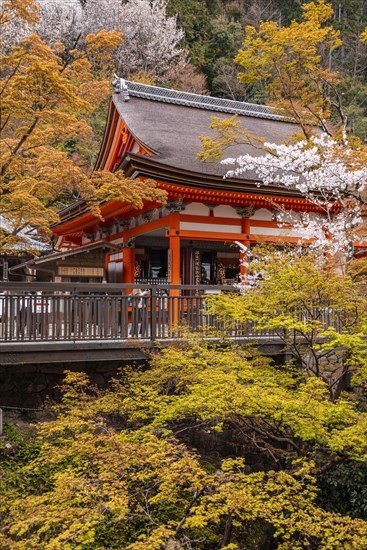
[172, 129]
[135, 89]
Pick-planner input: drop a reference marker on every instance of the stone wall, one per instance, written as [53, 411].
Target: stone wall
[30, 385]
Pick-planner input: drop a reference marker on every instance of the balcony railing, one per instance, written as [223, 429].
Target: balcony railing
[50, 312]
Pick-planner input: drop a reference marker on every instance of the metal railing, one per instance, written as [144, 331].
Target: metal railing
[49, 312]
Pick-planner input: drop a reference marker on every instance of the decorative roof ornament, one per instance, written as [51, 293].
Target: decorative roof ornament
[120, 87]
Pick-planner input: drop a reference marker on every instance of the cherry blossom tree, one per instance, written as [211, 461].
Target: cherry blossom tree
[331, 175]
[151, 38]
[326, 166]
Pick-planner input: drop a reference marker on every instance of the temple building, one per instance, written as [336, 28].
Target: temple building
[153, 132]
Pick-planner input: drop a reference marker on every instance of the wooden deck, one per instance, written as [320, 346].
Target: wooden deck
[54, 322]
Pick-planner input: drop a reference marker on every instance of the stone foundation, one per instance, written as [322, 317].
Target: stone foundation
[28, 386]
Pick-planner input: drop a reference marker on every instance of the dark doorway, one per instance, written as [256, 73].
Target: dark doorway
[158, 263]
[207, 267]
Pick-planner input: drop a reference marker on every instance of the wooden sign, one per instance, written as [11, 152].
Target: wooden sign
[71, 271]
[169, 265]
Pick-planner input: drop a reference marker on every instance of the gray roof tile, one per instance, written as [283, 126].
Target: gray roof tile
[170, 123]
[197, 101]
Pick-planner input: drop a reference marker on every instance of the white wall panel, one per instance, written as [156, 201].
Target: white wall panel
[196, 209]
[278, 231]
[189, 226]
[225, 211]
[262, 214]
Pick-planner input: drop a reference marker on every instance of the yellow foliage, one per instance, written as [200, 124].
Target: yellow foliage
[289, 62]
[144, 78]
[24, 9]
[86, 484]
[45, 99]
[227, 132]
[100, 47]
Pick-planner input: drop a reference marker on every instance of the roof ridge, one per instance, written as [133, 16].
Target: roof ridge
[168, 95]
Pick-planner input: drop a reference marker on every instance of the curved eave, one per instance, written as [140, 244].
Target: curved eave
[106, 135]
[83, 219]
[147, 167]
[113, 123]
[168, 177]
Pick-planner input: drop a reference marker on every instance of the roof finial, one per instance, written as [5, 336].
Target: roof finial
[120, 87]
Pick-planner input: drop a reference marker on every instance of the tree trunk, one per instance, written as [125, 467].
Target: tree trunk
[227, 532]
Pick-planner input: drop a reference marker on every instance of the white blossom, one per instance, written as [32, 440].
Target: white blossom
[323, 171]
[151, 38]
[252, 277]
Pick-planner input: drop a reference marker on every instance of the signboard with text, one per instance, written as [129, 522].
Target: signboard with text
[169, 266]
[74, 271]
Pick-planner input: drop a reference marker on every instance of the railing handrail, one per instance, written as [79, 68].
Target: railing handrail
[77, 312]
[105, 287]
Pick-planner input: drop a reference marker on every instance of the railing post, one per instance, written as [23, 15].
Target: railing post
[153, 313]
[1, 422]
[124, 315]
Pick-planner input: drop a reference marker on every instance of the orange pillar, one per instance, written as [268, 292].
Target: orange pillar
[175, 246]
[128, 263]
[174, 259]
[245, 226]
[174, 252]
